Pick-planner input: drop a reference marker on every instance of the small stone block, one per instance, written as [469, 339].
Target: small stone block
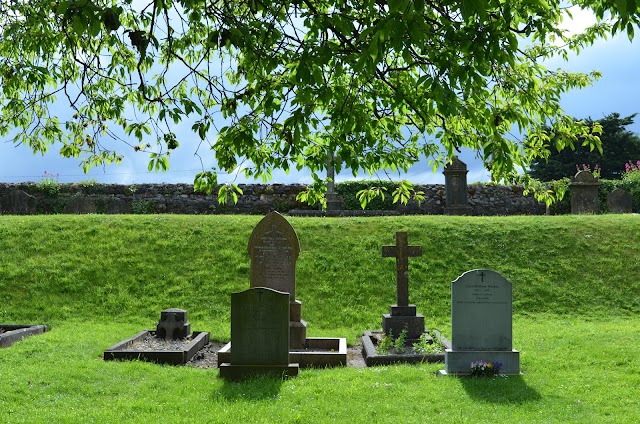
[173, 324]
[403, 311]
[395, 324]
[297, 334]
[295, 310]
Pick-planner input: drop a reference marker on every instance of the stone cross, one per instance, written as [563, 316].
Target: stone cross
[402, 251]
[173, 324]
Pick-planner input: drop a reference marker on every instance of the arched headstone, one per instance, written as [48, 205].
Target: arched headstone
[274, 250]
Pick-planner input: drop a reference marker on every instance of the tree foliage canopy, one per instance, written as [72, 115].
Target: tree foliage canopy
[619, 146]
[270, 85]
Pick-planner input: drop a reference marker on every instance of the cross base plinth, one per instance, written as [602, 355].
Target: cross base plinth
[403, 311]
[394, 324]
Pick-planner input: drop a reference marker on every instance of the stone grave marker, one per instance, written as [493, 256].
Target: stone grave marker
[455, 182]
[259, 335]
[584, 193]
[481, 323]
[274, 249]
[173, 324]
[619, 201]
[403, 314]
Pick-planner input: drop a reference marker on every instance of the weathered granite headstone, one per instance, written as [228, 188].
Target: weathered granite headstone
[173, 324]
[455, 182]
[584, 193]
[619, 201]
[80, 205]
[274, 250]
[403, 314]
[481, 323]
[17, 202]
[259, 335]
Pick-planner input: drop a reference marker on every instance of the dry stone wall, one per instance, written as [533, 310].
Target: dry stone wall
[31, 198]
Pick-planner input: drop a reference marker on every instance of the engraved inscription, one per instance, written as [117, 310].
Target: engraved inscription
[483, 294]
[258, 316]
[273, 262]
[481, 311]
[274, 249]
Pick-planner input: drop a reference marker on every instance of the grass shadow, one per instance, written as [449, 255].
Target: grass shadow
[504, 389]
[253, 389]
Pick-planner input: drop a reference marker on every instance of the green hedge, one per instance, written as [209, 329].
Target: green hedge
[349, 190]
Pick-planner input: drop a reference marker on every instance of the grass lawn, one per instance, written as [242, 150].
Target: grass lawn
[96, 280]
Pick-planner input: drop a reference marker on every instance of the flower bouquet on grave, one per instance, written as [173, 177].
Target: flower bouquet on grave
[485, 369]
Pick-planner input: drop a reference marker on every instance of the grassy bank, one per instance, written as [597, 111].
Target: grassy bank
[99, 279]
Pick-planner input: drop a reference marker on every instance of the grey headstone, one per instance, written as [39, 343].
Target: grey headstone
[17, 202]
[80, 205]
[481, 311]
[481, 323]
[620, 201]
[584, 193]
[260, 327]
[274, 250]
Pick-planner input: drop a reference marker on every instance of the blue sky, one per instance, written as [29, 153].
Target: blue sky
[617, 91]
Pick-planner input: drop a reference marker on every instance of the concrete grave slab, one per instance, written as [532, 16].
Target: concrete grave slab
[11, 333]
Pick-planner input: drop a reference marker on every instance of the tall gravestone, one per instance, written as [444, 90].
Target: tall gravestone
[481, 323]
[403, 314]
[455, 183]
[274, 250]
[584, 193]
[619, 201]
[259, 335]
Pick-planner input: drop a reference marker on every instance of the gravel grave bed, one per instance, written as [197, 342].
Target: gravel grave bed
[207, 357]
[150, 343]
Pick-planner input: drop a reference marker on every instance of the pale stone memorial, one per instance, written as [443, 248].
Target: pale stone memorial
[481, 323]
[259, 335]
[584, 193]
